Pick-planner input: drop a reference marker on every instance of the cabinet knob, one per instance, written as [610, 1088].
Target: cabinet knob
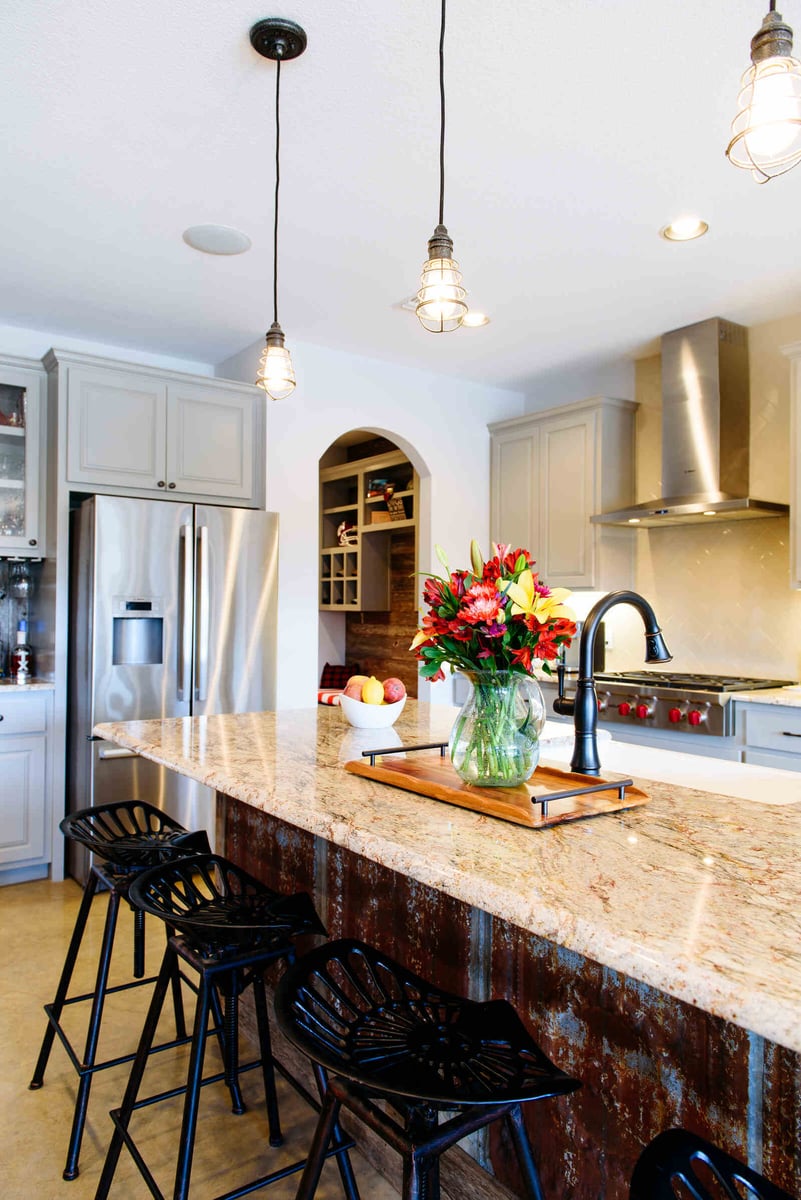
[160, 483]
[32, 542]
[171, 485]
[2, 718]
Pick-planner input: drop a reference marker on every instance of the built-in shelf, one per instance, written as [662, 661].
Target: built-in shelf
[356, 576]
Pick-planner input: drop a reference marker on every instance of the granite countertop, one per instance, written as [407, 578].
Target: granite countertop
[33, 685]
[695, 893]
[790, 696]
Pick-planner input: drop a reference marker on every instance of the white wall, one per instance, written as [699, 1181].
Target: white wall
[576, 382]
[440, 422]
[34, 343]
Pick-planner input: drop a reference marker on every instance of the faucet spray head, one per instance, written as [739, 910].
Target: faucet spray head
[655, 648]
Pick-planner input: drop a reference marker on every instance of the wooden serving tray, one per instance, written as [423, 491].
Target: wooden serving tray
[550, 797]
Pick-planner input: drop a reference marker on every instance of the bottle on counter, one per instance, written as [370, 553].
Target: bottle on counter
[21, 666]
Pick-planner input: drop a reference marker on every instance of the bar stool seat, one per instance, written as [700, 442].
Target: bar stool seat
[380, 1032]
[228, 927]
[127, 837]
[678, 1164]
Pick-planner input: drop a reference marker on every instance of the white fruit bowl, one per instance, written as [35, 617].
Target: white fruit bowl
[370, 716]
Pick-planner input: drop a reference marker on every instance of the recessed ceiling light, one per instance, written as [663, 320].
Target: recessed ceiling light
[684, 229]
[216, 239]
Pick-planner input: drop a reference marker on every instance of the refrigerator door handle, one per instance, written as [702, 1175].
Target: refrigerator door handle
[117, 752]
[202, 615]
[185, 614]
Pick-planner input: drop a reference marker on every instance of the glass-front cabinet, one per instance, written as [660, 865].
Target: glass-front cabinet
[21, 477]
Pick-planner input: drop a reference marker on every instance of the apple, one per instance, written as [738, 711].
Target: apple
[354, 690]
[361, 680]
[394, 690]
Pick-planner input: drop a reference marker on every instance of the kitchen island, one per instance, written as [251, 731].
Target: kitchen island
[655, 953]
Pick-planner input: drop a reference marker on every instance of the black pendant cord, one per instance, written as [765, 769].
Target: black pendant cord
[277, 182]
[772, 6]
[442, 117]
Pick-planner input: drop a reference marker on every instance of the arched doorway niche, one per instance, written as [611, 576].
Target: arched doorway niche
[369, 589]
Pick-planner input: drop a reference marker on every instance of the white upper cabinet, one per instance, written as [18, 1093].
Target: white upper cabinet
[22, 458]
[553, 470]
[136, 429]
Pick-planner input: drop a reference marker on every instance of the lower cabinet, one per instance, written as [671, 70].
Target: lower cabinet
[24, 808]
[770, 734]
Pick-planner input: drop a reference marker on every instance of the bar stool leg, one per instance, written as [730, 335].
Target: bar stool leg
[344, 1165]
[177, 994]
[186, 1145]
[123, 1117]
[230, 1042]
[328, 1119]
[92, 1036]
[64, 982]
[266, 1049]
[525, 1157]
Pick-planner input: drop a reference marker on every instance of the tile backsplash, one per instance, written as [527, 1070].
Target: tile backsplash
[722, 597]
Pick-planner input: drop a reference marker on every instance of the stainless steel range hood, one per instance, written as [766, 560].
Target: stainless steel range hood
[705, 432]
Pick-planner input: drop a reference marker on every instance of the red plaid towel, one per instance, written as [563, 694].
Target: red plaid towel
[328, 696]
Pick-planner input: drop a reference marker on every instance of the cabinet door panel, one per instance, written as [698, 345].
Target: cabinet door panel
[210, 442]
[515, 515]
[116, 428]
[22, 465]
[566, 470]
[22, 798]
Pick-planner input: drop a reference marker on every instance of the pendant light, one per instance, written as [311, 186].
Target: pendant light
[441, 305]
[279, 40]
[767, 129]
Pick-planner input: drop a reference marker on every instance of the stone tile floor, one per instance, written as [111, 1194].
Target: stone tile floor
[36, 921]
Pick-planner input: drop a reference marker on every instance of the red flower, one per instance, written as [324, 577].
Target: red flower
[482, 604]
[435, 592]
[522, 656]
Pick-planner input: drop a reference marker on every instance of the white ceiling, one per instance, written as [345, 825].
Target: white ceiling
[576, 129]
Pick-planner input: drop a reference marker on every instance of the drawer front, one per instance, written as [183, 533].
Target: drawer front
[773, 728]
[24, 712]
[767, 758]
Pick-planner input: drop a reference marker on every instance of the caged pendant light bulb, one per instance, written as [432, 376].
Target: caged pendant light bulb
[441, 304]
[279, 40]
[766, 133]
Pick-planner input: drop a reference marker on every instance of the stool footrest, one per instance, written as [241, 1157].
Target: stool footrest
[246, 1189]
[81, 1068]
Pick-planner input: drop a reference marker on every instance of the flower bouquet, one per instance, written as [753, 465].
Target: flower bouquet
[494, 622]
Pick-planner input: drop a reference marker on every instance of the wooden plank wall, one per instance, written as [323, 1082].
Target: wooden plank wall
[379, 641]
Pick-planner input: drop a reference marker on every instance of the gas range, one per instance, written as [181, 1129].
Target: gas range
[695, 704]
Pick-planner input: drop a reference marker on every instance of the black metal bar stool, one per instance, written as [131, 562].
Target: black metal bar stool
[679, 1164]
[378, 1031]
[129, 836]
[229, 926]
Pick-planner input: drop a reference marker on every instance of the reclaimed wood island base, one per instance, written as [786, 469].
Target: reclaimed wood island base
[654, 953]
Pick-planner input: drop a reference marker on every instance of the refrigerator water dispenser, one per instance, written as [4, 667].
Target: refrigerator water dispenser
[137, 639]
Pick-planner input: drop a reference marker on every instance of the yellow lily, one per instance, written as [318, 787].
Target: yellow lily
[420, 637]
[531, 603]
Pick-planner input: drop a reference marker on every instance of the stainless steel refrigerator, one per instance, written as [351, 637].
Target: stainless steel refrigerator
[172, 614]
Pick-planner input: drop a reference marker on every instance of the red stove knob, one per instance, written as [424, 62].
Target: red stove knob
[694, 716]
[675, 715]
[641, 712]
[624, 709]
